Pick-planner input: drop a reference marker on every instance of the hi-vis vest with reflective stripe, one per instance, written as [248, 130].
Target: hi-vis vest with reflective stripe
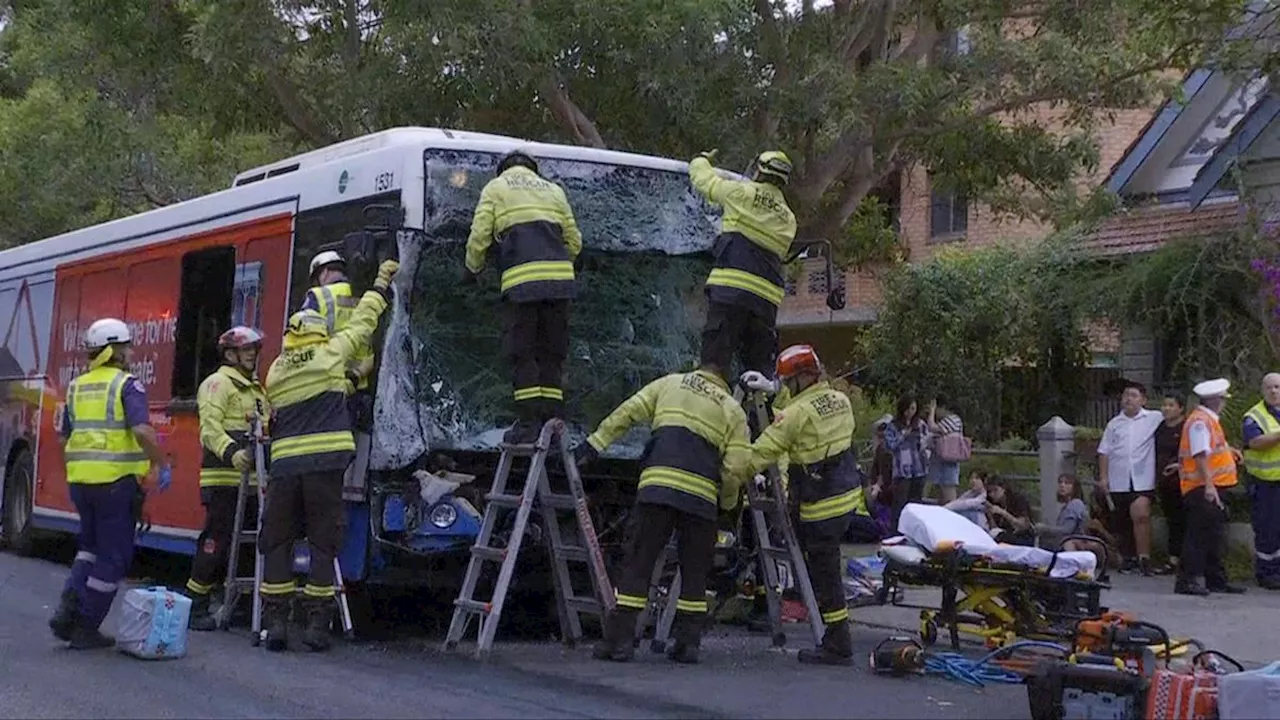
[102, 448]
[696, 457]
[815, 434]
[225, 400]
[537, 236]
[335, 302]
[307, 388]
[1222, 466]
[756, 231]
[1263, 464]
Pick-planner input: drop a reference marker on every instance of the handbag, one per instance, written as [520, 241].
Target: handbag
[954, 447]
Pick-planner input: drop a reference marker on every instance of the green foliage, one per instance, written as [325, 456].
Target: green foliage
[956, 323]
[151, 102]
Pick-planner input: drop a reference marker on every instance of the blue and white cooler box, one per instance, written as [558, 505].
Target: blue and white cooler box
[153, 623]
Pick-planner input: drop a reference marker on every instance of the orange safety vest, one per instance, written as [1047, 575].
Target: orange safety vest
[1222, 465]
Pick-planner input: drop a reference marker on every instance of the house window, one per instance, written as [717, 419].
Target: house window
[948, 215]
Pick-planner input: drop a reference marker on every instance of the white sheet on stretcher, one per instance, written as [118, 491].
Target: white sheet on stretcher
[930, 527]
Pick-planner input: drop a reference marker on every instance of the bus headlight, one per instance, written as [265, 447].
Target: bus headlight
[443, 515]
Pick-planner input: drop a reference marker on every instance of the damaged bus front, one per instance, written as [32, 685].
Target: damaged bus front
[444, 390]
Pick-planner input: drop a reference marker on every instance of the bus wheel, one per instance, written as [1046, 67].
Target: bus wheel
[16, 532]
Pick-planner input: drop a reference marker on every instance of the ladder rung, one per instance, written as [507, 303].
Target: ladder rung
[572, 552]
[776, 551]
[489, 553]
[583, 604]
[528, 450]
[473, 606]
[507, 500]
[560, 502]
[249, 536]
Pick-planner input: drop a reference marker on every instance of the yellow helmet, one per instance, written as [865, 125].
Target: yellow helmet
[774, 163]
[306, 326]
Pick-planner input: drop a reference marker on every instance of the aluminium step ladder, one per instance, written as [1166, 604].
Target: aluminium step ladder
[238, 587]
[537, 489]
[777, 551]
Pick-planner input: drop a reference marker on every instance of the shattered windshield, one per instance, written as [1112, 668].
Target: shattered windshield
[638, 314]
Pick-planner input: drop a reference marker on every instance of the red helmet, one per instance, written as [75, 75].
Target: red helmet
[239, 337]
[798, 359]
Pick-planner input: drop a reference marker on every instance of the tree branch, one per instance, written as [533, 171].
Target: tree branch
[295, 109]
[766, 121]
[569, 116]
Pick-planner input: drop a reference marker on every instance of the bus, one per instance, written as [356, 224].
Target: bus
[181, 274]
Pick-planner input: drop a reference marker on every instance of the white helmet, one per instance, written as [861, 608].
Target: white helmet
[107, 331]
[328, 257]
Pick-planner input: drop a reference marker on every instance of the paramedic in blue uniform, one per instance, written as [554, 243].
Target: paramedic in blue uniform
[1262, 462]
[109, 446]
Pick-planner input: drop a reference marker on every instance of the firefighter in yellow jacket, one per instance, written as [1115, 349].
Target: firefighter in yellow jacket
[331, 296]
[311, 446]
[693, 465]
[815, 437]
[745, 286]
[228, 400]
[530, 219]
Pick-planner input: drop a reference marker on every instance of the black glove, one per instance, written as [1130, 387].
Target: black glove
[467, 277]
[584, 455]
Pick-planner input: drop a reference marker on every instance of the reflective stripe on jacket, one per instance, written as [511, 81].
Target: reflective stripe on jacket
[226, 398]
[1263, 464]
[102, 447]
[695, 459]
[1222, 466]
[537, 236]
[756, 232]
[815, 435]
[335, 302]
[307, 388]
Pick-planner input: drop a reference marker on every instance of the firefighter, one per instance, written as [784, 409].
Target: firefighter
[311, 446]
[109, 445]
[815, 436]
[1262, 460]
[1206, 467]
[228, 400]
[692, 466]
[745, 287]
[331, 296]
[538, 241]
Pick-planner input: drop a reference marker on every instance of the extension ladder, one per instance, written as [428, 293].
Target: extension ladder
[769, 520]
[537, 488]
[236, 586]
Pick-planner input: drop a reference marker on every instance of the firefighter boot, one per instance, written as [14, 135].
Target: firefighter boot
[201, 619]
[275, 623]
[64, 618]
[617, 644]
[836, 647]
[85, 636]
[319, 615]
[688, 638]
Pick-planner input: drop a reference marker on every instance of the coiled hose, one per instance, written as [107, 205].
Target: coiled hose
[981, 671]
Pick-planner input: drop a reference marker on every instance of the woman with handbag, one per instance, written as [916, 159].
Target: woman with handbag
[950, 448]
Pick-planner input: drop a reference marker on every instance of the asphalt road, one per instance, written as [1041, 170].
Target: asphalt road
[224, 676]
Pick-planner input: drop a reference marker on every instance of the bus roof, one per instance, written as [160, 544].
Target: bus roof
[298, 182]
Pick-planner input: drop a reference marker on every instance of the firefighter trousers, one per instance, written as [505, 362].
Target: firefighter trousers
[108, 523]
[215, 542]
[735, 331]
[536, 342]
[300, 506]
[822, 559]
[695, 550]
[1265, 507]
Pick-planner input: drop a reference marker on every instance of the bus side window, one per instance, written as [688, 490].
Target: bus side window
[204, 313]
